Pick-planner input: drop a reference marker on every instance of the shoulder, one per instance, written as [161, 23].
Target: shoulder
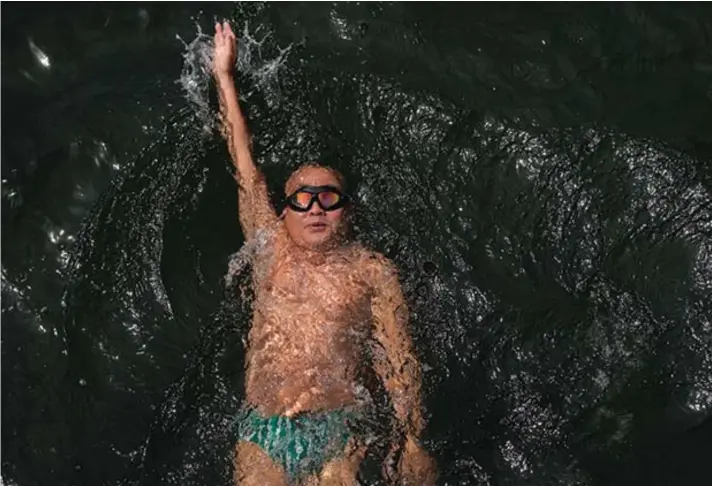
[376, 268]
[268, 243]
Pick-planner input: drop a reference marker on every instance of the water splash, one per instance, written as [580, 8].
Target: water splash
[252, 61]
[196, 75]
[263, 72]
[243, 257]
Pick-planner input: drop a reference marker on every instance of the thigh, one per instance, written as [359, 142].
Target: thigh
[254, 467]
[343, 470]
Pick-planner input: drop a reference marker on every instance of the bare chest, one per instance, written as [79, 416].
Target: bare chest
[331, 290]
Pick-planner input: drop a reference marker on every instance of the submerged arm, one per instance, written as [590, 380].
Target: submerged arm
[398, 366]
[400, 371]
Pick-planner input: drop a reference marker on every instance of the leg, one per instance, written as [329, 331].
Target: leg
[253, 467]
[342, 470]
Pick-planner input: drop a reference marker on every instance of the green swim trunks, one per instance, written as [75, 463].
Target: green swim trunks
[302, 445]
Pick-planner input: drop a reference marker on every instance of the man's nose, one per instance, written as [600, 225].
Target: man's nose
[316, 210]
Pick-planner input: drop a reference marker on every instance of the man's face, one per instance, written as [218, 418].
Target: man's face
[314, 229]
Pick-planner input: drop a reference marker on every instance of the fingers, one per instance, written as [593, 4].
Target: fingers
[228, 33]
[218, 34]
[390, 466]
[302, 402]
[228, 30]
[223, 29]
[295, 409]
[223, 32]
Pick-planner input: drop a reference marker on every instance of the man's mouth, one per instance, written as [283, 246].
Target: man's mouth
[316, 226]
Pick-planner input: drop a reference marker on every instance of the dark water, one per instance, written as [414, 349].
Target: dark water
[540, 173]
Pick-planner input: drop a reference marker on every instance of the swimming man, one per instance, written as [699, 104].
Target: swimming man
[321, 302]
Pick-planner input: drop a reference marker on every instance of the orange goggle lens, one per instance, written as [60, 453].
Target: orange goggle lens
[302, 199]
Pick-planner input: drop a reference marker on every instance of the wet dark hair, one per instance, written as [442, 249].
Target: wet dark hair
[290, 185]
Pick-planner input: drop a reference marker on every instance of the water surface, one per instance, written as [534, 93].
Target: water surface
[539, 173]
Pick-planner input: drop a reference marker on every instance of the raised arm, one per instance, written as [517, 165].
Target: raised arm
[399, 369]
[254, 206]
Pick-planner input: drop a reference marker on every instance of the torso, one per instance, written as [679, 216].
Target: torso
[312, 319]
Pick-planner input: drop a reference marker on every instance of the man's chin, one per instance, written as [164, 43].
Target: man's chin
[320, 242]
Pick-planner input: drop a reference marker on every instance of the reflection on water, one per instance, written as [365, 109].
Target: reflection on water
[42, 58]
[539, 176]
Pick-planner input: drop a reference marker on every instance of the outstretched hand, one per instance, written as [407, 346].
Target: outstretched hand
[224, 54]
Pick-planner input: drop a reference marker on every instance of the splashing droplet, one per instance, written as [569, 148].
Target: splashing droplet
[42, 58]
[197, 71]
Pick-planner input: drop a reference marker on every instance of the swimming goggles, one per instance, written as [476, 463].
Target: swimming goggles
[329, 198]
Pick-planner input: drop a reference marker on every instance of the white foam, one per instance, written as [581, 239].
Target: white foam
[196, 75]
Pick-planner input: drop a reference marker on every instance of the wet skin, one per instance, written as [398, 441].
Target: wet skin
[320, 301]
[312, 312]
